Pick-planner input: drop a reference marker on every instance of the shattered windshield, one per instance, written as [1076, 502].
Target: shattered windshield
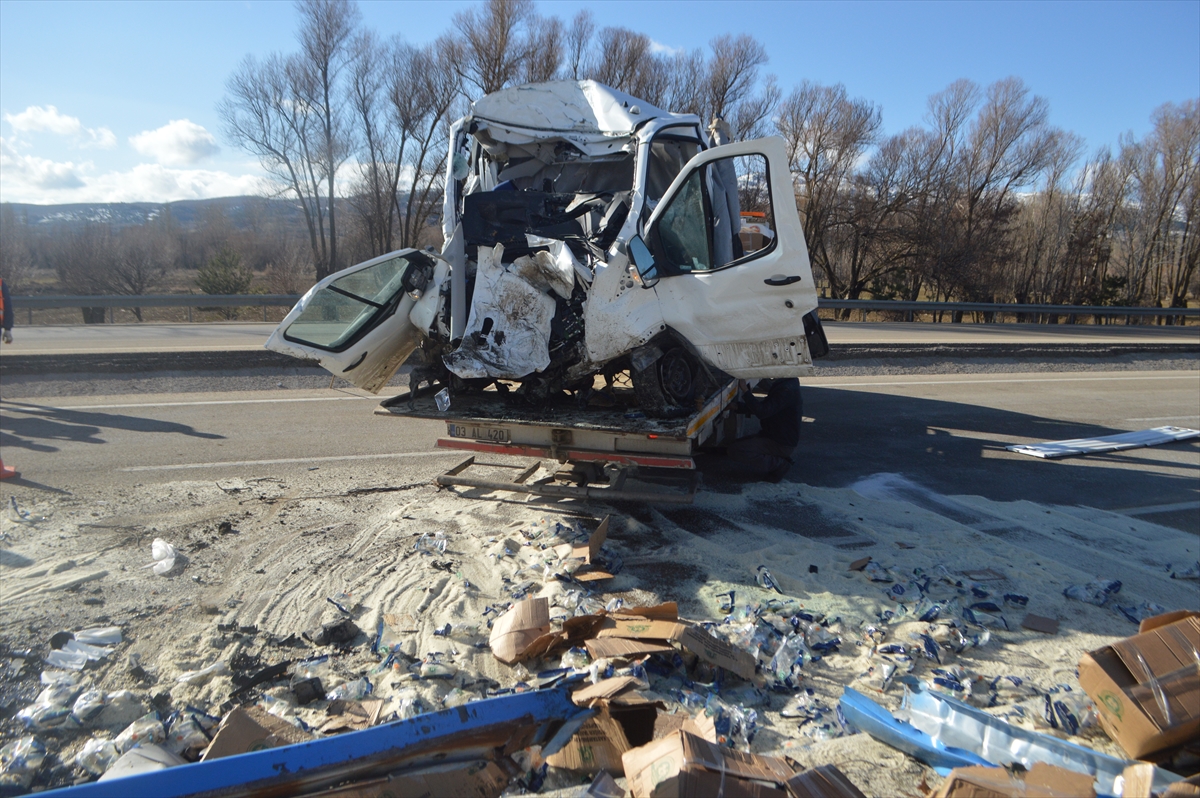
[668, 155]
[571, 175]
[338, 313]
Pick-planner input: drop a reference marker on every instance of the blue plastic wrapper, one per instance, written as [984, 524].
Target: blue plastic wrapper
[1097, 592]
[1147, 609]
[1016, 599]
[765, 580]
[931, 648]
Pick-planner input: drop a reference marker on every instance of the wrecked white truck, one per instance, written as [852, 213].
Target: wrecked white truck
[586, 233]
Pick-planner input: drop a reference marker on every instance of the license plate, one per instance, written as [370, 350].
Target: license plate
[493, 434]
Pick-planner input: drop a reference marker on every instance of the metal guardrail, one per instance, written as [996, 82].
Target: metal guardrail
[264, 301]
[189, 301]
[1008, 308]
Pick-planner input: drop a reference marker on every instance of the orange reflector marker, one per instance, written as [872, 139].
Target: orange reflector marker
[651, 435]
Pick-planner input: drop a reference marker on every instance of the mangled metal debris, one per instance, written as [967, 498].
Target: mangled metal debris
[585, 232]
[1108, 443]
[449, 747]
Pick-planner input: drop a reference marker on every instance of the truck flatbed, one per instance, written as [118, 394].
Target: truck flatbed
[491, 423]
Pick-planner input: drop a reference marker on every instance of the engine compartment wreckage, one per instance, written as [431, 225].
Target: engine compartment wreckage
[586, 233]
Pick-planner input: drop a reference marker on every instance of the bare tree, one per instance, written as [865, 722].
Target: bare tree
[826, 133]
[733, 71]
[16, 250]
[371, 196]
[139, 263]
[1161, 248]
[578, 44]
[423, 85]
[493, 46]
[289, 111]
[543, 49]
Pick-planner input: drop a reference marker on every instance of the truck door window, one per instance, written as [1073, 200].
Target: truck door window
[743, 219]
[720, 216]
[682, 230]
[343, 311]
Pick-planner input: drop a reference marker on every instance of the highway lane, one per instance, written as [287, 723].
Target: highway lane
[236, 336]
[946, 432]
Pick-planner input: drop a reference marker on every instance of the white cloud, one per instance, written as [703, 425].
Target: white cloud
[42, 182]
[35, 174]
[36, 118]
[658, 48]
[180, 142]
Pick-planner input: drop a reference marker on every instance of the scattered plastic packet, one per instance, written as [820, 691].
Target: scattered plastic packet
[146, 729]
[351, 691]
[97, 756]
[442, 399]
[1096, 592]
[87, 706]
[1191, 572]
[164, 555]
[20, 761]
[1147, 609]
[100, 636]
[765, 580]
[203, 675]
[877, 573]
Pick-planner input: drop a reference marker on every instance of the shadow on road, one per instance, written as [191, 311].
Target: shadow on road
[39, 424]
[957, 448]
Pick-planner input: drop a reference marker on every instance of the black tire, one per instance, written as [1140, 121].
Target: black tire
[667, 387]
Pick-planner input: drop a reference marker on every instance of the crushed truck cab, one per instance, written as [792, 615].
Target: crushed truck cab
[586, 233]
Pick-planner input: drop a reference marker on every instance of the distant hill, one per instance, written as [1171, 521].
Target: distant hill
[243, 213]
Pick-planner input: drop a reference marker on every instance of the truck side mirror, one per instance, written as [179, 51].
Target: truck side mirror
[643, 261]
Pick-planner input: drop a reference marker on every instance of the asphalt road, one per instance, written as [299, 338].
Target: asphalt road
[945, 432]
[239, 336]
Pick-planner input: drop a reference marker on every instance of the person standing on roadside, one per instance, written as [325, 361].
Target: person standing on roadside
[6, 310]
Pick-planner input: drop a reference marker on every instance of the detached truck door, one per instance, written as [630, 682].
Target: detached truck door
[739, 294]
[355, 322]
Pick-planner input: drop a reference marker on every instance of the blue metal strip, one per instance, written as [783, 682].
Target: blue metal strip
[542, 712]
[901, 735]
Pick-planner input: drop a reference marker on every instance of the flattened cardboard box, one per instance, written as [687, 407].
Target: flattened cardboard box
[252, 728]
[479, 779]
[1130, 678]
[682, 764]
[1041, 781]
[825, 781]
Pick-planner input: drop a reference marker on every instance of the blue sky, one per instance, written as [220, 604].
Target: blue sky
[115, 101]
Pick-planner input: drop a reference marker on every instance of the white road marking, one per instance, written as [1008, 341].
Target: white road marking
[211, 402]
[986, 381]
[1165, 418]
[1159, 508]
[286, 461]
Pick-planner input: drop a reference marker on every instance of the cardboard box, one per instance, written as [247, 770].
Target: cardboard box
[252, 728]
[682, 764]
[351, 715]
[825, 781]
[604, 738]
[1130, 679]
[662, 623]
[479, 779]
[1041, 781]
[515, 631]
